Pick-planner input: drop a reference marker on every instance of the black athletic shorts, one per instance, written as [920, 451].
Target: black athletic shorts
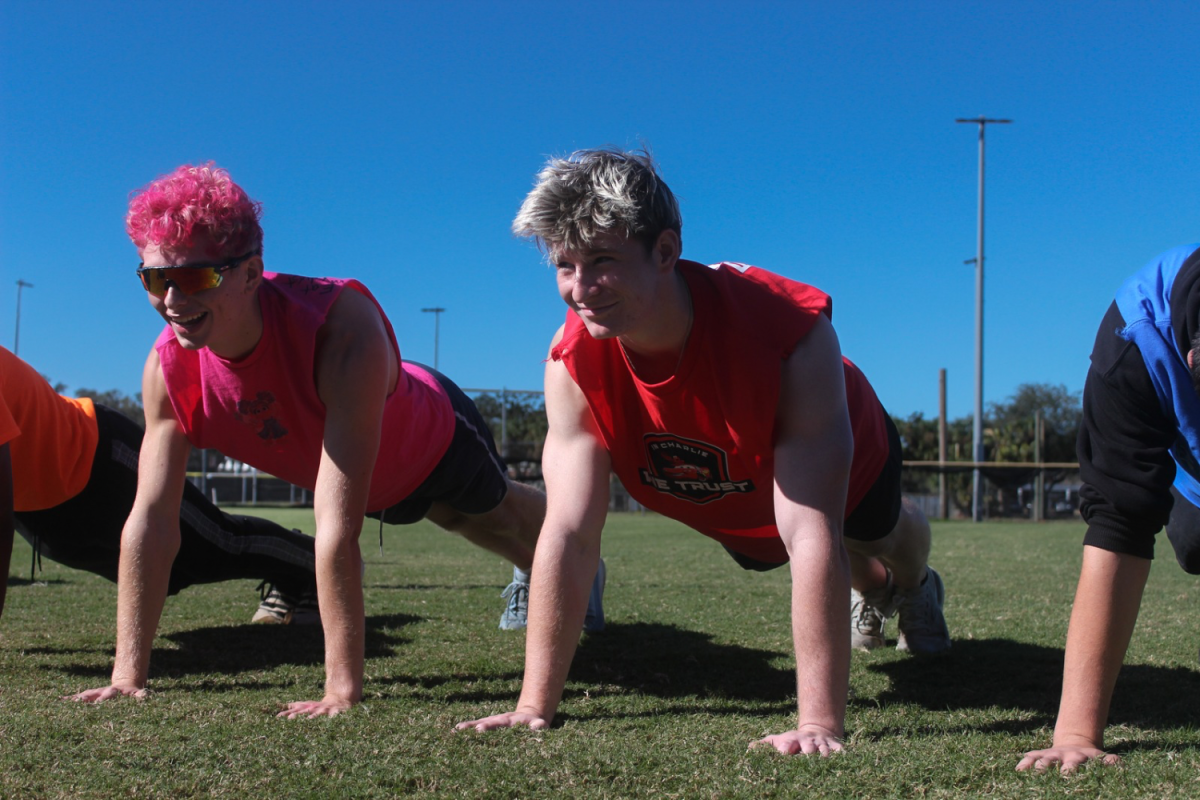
[875, 515]
[1183, 531]
[470, 478]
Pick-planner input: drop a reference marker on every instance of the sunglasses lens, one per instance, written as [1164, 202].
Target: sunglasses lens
[188, 280]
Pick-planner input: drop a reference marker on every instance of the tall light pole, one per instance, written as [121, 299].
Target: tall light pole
[437, 316]
[977, 431]
[17, 336]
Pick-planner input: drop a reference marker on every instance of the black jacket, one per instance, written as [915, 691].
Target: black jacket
[1124, 435]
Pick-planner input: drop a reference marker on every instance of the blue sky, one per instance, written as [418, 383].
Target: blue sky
[393, 142]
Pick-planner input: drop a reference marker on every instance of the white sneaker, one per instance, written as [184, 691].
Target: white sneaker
[869, 613]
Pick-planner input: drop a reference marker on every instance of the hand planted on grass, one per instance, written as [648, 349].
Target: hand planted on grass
[512, 719]
[327, 707]
[809, 740]
[1068, 758]
[107, 693]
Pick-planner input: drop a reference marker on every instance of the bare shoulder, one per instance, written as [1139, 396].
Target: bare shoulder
[352, 312]
[164, 449]
[354, 351]
[567, 409]
[558, 337]
[820, 344]
[156, 399]
[813, 381]
[354, 331]
[560, 386]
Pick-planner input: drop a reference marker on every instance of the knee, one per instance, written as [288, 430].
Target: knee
[1187, 552]
[448, 518]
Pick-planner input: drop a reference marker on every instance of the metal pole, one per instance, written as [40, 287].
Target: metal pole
[1039, 454]
[17, 336]
[977, 427]
[503, 423]
[437, 316]
[943, 498]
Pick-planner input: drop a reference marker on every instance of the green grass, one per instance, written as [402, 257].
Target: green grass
[696, 663]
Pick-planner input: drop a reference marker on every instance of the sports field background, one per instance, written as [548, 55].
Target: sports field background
[695, 664]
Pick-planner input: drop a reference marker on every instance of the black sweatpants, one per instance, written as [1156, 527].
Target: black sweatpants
[85, 532]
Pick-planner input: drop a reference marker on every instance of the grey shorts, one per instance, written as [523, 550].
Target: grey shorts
[471, 477]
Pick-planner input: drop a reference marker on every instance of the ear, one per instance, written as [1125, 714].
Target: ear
[254, 273]
[666, 250]
[1191, 354]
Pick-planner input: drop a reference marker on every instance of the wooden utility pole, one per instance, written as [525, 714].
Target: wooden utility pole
[1039, 485]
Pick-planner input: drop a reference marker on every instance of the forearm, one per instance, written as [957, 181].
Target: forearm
[562, 574]
[820, 620]
[143, 577]
[1102, 622]
[340, 596]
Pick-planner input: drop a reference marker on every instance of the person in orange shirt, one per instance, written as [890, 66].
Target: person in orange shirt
[68, 477]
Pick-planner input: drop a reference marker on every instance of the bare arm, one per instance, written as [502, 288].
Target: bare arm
[356, 368]
[149, 540]
[6, 520]
[1102, 620]
[813, 451]
[576, 467]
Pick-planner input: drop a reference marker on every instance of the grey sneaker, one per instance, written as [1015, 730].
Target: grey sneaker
[279, 608]
[594, 621]
[922, 625]
[869, 612]
[516, 613]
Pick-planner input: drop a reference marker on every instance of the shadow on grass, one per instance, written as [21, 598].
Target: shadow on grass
[661, 661]
[1006, 674]
[668, 661]
[240, 648]
[421, 587]
[14, 581]
[976, 673]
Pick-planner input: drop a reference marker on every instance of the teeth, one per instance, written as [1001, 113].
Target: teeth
[188, 320]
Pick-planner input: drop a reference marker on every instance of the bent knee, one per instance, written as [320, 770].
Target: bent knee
[1187, 553]
[447, 518]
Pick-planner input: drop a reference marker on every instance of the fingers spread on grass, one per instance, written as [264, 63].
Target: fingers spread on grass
[106, 693]
[801, 742]
[512, 719]
[314, 708]
[1067, 759]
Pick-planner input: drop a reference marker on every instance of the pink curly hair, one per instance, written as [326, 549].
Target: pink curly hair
[195, 204]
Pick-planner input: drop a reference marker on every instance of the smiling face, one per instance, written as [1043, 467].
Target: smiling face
[224, 319]
[616, 285]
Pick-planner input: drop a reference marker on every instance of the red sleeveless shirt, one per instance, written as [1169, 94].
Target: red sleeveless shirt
[700, 446]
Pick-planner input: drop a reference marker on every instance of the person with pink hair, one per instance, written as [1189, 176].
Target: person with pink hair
[301, 377]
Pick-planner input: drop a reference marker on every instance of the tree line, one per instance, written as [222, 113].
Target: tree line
[1009, 435]
[518, 423]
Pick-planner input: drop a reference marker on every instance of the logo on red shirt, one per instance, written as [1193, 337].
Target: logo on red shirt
[689, 469]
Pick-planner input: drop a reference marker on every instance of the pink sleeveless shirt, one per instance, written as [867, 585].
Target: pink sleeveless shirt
[264, 409]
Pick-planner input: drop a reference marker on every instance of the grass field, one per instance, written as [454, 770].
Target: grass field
[696, 663]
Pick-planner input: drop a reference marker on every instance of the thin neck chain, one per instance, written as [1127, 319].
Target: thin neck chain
[683, 348]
